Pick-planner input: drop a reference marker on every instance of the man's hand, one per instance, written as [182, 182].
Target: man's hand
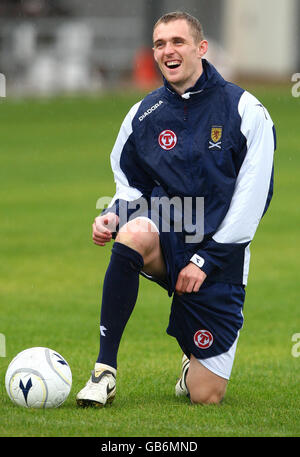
[103, 227]
[189, 279]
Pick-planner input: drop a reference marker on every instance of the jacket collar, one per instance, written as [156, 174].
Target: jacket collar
[209, 78]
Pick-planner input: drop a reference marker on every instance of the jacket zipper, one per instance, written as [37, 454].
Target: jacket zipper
[185, 112]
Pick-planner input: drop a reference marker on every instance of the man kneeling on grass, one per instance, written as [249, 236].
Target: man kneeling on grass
[209, 145]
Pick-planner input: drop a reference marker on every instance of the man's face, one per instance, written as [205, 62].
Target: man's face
[177, 54]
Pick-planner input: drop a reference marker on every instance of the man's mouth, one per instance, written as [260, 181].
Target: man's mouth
[173, 64]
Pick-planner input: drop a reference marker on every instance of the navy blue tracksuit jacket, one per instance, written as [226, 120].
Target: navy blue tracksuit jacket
[215, 141]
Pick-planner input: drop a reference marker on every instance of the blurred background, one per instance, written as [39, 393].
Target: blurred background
[73, 68]
[54, 46]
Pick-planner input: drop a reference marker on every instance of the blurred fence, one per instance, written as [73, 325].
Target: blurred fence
[72, 53]
[52, 54]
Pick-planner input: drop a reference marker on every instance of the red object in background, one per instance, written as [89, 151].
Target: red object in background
[145, 73]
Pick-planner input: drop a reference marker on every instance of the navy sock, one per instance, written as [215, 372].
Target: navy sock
[120, 290]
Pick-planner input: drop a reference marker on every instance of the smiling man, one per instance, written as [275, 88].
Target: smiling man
[197, 139]
[178, 51]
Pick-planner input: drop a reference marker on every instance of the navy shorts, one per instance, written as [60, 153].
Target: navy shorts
[206, 323]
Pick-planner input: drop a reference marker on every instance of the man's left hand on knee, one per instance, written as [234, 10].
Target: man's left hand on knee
[190, 279]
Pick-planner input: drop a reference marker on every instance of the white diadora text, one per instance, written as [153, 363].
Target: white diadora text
[150, 110]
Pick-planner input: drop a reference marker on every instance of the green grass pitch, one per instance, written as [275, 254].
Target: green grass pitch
[54, 166]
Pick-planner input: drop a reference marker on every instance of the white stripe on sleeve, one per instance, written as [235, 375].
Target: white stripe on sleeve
[123, 190]
[253, 181]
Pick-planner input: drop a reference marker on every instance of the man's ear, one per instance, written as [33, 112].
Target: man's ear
[202, 48]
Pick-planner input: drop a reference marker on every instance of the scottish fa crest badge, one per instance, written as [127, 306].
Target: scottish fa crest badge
[215, 137]
[216, 133]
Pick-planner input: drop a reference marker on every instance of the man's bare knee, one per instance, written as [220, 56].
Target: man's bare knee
[206, 396]
[134, 240]
[139, 235]
[204, 386]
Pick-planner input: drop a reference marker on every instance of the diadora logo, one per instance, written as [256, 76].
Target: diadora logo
[215, 135]
[167, 139]
[203, 339]
[150, 110]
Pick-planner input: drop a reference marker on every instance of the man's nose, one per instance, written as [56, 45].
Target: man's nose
[169, 48]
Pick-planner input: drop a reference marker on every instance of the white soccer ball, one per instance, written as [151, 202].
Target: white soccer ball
[38, 377]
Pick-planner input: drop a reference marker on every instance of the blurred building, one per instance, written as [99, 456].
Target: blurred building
[52, 46]
[262, 37]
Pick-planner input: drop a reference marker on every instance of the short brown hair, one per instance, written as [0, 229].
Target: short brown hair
[195, 25]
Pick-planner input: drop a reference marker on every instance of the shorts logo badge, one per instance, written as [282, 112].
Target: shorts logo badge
[203, 339]
[215, 135]
[167, 139]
